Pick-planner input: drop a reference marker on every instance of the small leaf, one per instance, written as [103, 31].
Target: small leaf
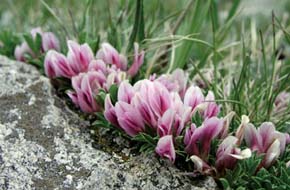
[113, 91]
[138, 28]
[225, 183]
[29, 40]
[38, 42]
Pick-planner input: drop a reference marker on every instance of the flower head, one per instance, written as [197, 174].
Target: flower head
[111, 56]
[165, 148]
[265, 140]
[79, 56]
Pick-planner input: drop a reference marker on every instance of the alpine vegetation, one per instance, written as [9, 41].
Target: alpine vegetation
[203, 87]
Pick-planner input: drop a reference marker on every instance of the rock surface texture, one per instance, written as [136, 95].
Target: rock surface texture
[44, 145]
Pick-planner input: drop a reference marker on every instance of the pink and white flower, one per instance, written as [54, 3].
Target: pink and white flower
[56, 65]
[228, 154]
[110, 55]
[165, 148]
[49, 42]
[129, 118]
[86, 86]
[79, 56]
[198, 140]
[266, 140]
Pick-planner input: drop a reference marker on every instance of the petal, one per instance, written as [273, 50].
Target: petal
[159, 98]
[193, 97]
[252, 138]
[165, 123]
[50, 41]
[211, 129]
[73, 96]
[98, 65]
[272, 154]
[129, 118]
[144, 108]
[110, 113]
[246, 153]
[266, 132]
[240, 131]
[226, 123]
[138, 61]
[125, 92]
[165, 148]
[188, 133]
[199, 164]
[224, 153]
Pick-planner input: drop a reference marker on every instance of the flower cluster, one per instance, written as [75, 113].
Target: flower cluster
[89, 73]
[165, 107]
[48, 41]
[162, 110]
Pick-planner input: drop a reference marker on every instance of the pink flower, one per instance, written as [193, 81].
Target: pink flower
[282, 102]
[98, 65]
[21, 50]
[86, 86]
[272, 154]
[138, 61]
[198, 140]
[240, 131]
[165, 123]
[35, 31]
[125, 92]
[212, 108]
[226, 123]
[174, 82]
[265, 140]
[114, 77]
[165, 148]
[111, 56]
[129, 118]
[144, 108]
[228, 154]
[189, 134]
[193, 97]
[56, 65]
[79, 56]
[110, 113]
[200, 165]
[50, 41]
[159, 98]
[183, 113]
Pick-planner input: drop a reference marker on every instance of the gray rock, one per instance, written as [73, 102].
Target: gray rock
[44, 145]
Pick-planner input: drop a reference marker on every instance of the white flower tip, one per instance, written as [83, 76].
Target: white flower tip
[197, 162]
[245, 119]
[247, 153]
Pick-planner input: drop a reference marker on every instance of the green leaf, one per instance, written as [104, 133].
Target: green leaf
[233, 9]
[100, 98]
[8, 40]
[113, 91]
[38, 42]
[198, 17]
[29, 40]
[138, 32]
[225, 183]
[143, 137]
[103, 124]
